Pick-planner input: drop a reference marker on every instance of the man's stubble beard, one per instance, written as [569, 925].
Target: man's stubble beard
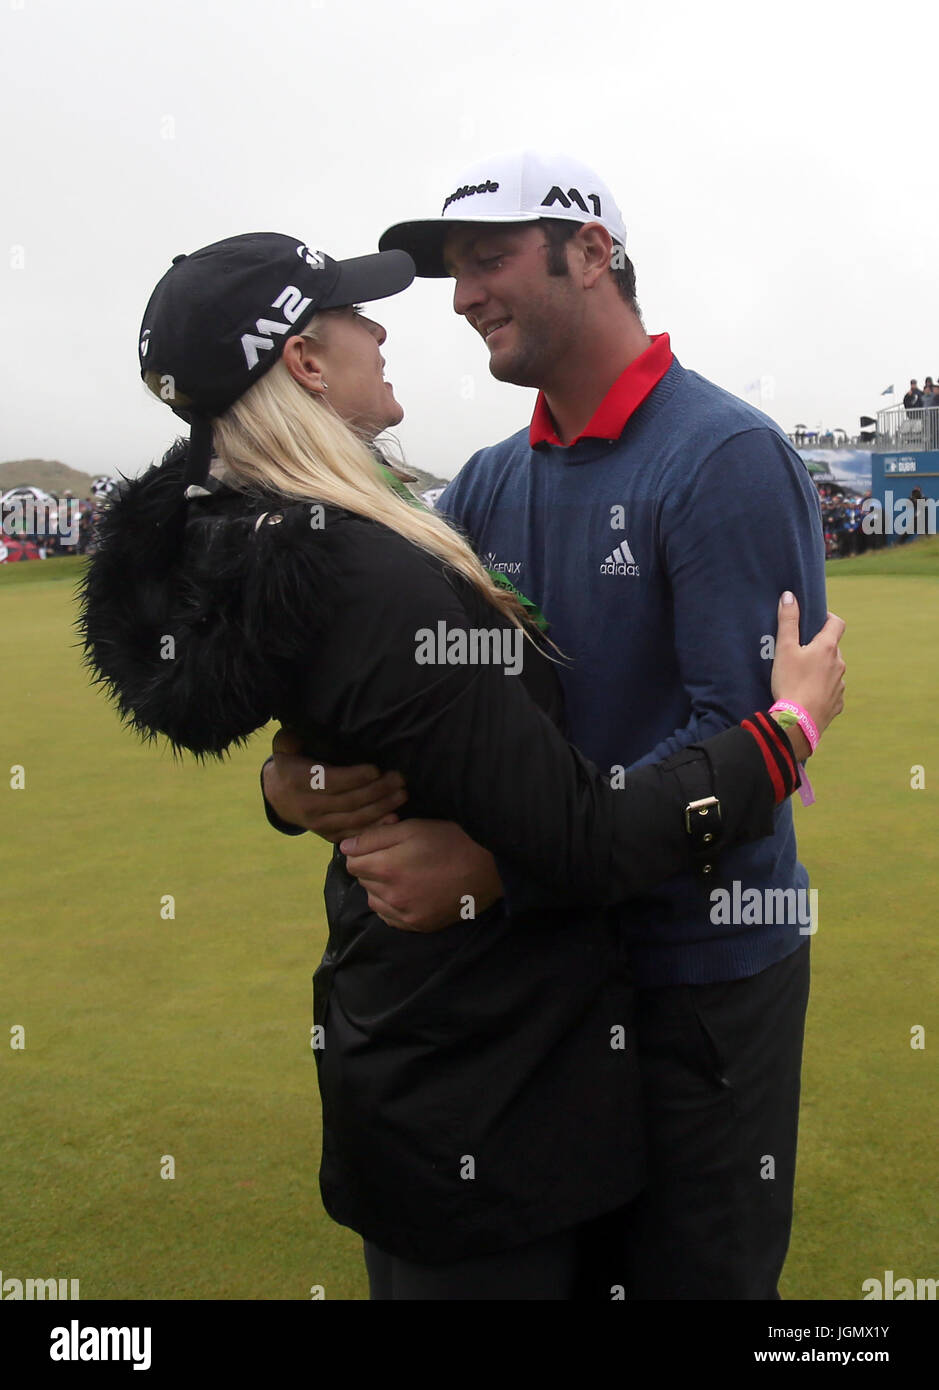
[531, 364]
[546, 338]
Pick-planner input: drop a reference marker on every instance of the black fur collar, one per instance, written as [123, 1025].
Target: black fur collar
[176, 603]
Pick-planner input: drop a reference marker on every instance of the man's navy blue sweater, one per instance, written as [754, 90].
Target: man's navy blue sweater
[658, 559]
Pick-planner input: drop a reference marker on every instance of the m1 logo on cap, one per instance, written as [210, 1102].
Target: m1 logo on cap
[145, 342]
[573, 195]
[292, 302]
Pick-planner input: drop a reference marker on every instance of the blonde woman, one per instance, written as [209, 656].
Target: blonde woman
[480, 1091]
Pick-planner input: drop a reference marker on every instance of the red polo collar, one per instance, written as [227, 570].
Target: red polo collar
[626, 394]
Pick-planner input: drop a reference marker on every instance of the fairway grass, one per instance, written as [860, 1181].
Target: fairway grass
[147, 1035]
[150, 1035]
[865, 1190]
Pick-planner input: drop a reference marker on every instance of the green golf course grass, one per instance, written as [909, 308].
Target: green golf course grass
[149, 1035]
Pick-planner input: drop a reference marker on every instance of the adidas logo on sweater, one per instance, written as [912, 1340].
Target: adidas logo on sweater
[620, 562]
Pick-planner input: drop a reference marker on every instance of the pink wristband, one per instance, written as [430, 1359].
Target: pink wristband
[806, 722]
[805, 788]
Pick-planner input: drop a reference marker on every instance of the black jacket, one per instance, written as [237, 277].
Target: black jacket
[479, 1084]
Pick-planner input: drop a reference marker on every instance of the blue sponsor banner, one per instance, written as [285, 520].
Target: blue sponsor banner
[899, 472]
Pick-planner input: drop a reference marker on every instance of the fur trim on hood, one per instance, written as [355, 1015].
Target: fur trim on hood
[176, 604]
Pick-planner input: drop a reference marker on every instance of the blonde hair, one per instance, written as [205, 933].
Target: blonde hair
[285, 440]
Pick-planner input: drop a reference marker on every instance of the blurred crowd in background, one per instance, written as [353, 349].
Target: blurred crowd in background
[922, 398]
[843, 512]
[37, 525]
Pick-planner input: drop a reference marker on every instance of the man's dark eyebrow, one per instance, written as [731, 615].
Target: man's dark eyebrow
[470, 246]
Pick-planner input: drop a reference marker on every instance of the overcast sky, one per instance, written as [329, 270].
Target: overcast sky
[775, 166]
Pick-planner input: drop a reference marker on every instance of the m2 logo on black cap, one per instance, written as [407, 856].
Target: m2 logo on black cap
[292, 302]
[573, 195]
[468, 190]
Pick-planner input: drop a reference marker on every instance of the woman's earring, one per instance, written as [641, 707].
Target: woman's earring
[325, 387]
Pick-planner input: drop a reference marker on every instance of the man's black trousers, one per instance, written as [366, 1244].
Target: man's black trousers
[721, 1068]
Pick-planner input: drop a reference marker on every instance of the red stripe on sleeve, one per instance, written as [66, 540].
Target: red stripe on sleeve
[778, 734]
[768, 759]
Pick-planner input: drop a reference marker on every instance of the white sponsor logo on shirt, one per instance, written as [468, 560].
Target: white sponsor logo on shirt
[502, 566]
[620, 562]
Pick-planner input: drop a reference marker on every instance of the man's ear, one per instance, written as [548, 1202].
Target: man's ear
[304, 361]
[595, 250]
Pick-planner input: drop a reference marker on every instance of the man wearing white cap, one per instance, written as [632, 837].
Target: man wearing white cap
[654, 519]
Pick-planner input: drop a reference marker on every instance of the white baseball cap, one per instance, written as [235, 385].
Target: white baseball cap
[521, 187]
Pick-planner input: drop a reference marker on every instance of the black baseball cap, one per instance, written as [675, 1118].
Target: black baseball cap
[219, 318]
